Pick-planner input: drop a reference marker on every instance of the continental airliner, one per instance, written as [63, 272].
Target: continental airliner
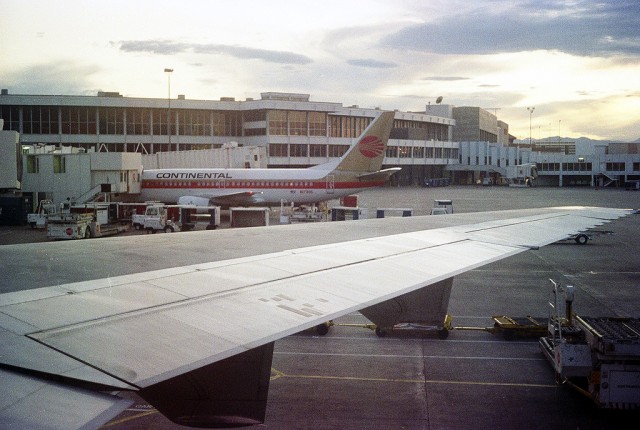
[358, 169]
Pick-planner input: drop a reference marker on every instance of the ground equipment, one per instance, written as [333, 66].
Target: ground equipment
[582, 238]
[38, 219]
[598, 356]
[69, 226]
[513, 327]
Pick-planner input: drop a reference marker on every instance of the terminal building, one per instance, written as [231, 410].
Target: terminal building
[460, 145]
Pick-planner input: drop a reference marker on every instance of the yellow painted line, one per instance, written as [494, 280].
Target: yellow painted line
[131, 418]
[276, 374]
[280, 374]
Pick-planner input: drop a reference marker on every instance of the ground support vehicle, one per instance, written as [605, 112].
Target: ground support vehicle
[441, 330]
[154, 219]
[101, 230]
[38, 219]
[293, 214]
[69, 226]
[439, 205]
[438, 211]
[192, 216]
[522, 175]
[172, 218]
[598, 356]
[582, 238]
[513, 327]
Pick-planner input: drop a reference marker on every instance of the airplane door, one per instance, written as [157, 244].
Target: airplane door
[222, 183]
[331, 184]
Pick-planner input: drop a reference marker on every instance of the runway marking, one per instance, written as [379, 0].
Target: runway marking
[405, 340]
[130, 418]
[445, 357]
[367, 335]
[280, 374]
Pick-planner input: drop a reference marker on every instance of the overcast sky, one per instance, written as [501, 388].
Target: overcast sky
[577, 62]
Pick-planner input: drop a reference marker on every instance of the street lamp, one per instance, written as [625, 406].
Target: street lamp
[530, 109]
[168, 72]
[559, 139]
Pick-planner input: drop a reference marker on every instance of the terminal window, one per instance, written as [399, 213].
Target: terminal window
[59, 164]
[33, 164]
[615, 167]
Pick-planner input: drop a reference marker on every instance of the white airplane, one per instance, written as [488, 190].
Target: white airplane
[172, 317]
[357, 169]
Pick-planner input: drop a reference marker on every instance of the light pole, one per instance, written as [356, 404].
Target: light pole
[168, 72]
[530, 109]
[559, 139]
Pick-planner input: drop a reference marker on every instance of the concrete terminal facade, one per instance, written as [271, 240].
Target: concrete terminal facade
[464, 144]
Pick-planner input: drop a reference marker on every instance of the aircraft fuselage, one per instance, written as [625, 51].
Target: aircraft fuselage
[269, 186]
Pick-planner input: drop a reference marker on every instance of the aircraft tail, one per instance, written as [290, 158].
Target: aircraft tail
[367, 154]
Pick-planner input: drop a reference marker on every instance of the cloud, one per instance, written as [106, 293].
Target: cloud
[282, 57]
[52, 78]
[166, 47]
[367, 62]
[444, 78]
[582, 27]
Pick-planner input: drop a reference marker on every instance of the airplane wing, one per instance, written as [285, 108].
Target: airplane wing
[234, 198]
[195, 340]
[380, 175]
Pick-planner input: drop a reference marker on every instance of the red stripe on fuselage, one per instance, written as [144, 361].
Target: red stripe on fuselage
[243, 185]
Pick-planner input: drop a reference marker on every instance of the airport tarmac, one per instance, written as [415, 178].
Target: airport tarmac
[352, 379]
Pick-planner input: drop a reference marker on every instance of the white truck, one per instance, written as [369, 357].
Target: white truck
[69, 226]
[442, 207]
[522, 175]
[38, 219]
[154, 219]
[160, 217]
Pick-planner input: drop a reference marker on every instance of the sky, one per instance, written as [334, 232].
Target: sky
[576, 62]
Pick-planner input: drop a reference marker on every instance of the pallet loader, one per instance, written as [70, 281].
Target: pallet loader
[598, 356]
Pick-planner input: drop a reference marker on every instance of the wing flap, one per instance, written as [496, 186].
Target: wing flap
[27, 402]
[20, 352]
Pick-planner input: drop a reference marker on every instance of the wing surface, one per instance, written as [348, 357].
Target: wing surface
[234, 198]
[380, 175]
[137, 330]
[29, 402]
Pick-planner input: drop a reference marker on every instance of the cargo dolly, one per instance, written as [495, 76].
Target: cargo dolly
[583, 237]
[513, 327]
[509, 327]
[441, 330]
